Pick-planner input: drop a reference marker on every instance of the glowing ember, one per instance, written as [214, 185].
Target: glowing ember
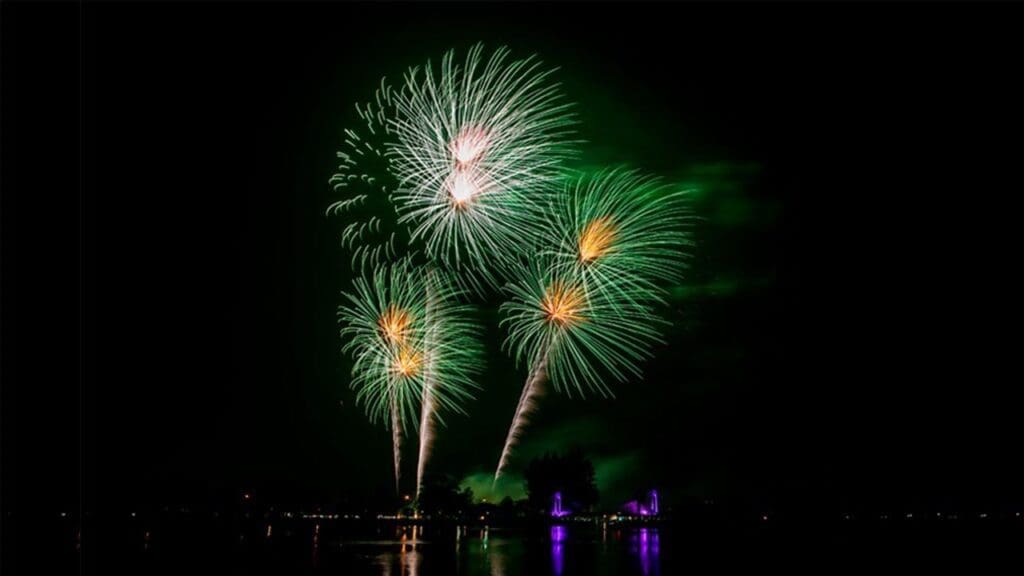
[394, 324]
[563, 304]
[596, 239]
[407, 362]
[469, 146]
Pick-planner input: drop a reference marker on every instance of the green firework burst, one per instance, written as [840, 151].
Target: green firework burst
[406, 331]
[621, 231]
[583, 309]
[365, 181]
[559, 319]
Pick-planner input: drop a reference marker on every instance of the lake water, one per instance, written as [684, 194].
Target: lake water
[390, 550]
[196, 546]
[562, 550]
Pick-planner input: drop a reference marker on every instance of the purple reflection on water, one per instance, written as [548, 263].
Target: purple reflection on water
[645, 545]
[558, 535]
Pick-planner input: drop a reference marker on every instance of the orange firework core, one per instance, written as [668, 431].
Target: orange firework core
[394, 324]
[563, 304]
[596, 239]
[408, 361]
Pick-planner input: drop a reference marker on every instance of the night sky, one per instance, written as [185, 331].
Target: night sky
[826, 352]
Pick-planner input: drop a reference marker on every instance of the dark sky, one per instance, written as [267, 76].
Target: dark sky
[826, 346]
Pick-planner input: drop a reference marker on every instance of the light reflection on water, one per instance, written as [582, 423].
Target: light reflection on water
[644, 544]
[564, 549]
[316, 546]
[558, 535]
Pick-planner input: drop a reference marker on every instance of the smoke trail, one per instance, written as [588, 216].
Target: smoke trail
[527, 403]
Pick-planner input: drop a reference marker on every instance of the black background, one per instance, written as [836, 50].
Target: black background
[888, 134]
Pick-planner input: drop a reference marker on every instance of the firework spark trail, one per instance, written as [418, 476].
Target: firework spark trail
[426, 434]
[428, 406]
[396, 438]
[527, 404]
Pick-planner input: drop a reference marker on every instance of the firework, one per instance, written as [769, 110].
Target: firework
[461, 169]
[477, 149]
[623, 231]
[570, 333]
[583, 308]
[412, 342]
[366, 182]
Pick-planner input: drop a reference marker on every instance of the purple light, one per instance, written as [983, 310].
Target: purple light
[650, 508]
[556, 507]
[635, 508]
[646, 547]
[558, 534]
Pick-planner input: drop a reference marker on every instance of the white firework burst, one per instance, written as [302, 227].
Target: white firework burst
[478, 148]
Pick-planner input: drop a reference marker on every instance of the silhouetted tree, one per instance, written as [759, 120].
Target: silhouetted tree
[441, 495]
[571, 474]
